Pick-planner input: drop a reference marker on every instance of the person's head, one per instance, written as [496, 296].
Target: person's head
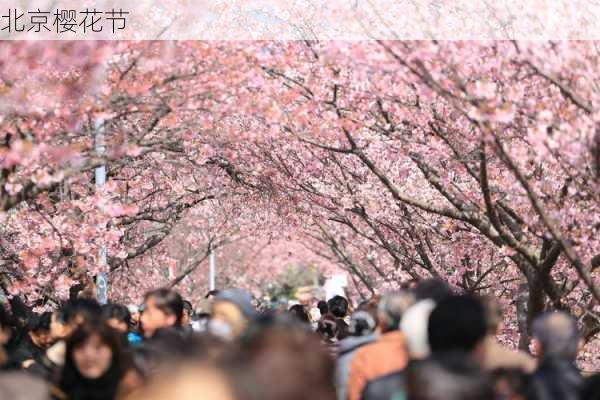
[233, 308]
[557, 336]
[362, 323]
[451, 376]
[323, 307]
[283, 359]
[134, 311]
[189, 382]
[390, 310]
[73, 313]
[39, 329]
[163, 308]
[328, 327]
[432, 289]
[493, 314]
[414, 326]
[338, 306]
[188, 310]
[117, 316]
[457, 324]
[93, 354]
[299, 311]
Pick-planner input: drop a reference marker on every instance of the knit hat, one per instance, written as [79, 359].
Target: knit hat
[240, 298]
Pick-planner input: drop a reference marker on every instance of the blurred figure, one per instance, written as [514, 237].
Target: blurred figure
[458, 324]
[299, 311]
[232, 310]
[510, 384]
[281, 359]
[30, 353]
[328, 330]
[188, 310]
[18, 385]
[414, 326]
[188, 383]
[556, 377]
[338, 306]
[63, 322]
[494, 354]
[134, 312]
[376, 369]
[432, 289]
[447, 376]
[117, 316]
[199, 322]
[163, 308]
[95, 366]
[323, 307]
[362, 331]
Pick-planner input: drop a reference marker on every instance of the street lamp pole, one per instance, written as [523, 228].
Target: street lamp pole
[100, 177]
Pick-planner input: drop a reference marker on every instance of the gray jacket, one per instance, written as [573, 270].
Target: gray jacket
[347, 348]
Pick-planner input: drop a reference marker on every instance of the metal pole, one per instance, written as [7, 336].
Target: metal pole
[213, 272]
[100, 175]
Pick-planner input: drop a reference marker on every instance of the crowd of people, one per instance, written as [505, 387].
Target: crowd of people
[422, 343]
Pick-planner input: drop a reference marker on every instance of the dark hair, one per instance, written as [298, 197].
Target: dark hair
[5, 320]
[211, 293]
[456, 324]
[39, 322]
[323, 307]
[338, 306]
[168, 301]
[187, 306]
[82, 307]
[328, 327]
[433, 289]
[591, 388]
[73, 384]
[451, 376]
[299, 311]
[118, 312]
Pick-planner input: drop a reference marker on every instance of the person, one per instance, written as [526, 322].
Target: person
[494, 354]
[134, 312]
[458, 324]
[21, 385]
[299, 311]
[376, 369]
[414, 322]
[63, 322]
[338, 306]
[557, 339]
[117, 316]
[188, 310]
[362, 331]
[323, 307]
[280, 358]
[414, 326]
[95, 366]
[30, 354]
[328, 331]
[163, 308]
[447, 376]
[231, 313]
[200, 322]
[188, 382]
